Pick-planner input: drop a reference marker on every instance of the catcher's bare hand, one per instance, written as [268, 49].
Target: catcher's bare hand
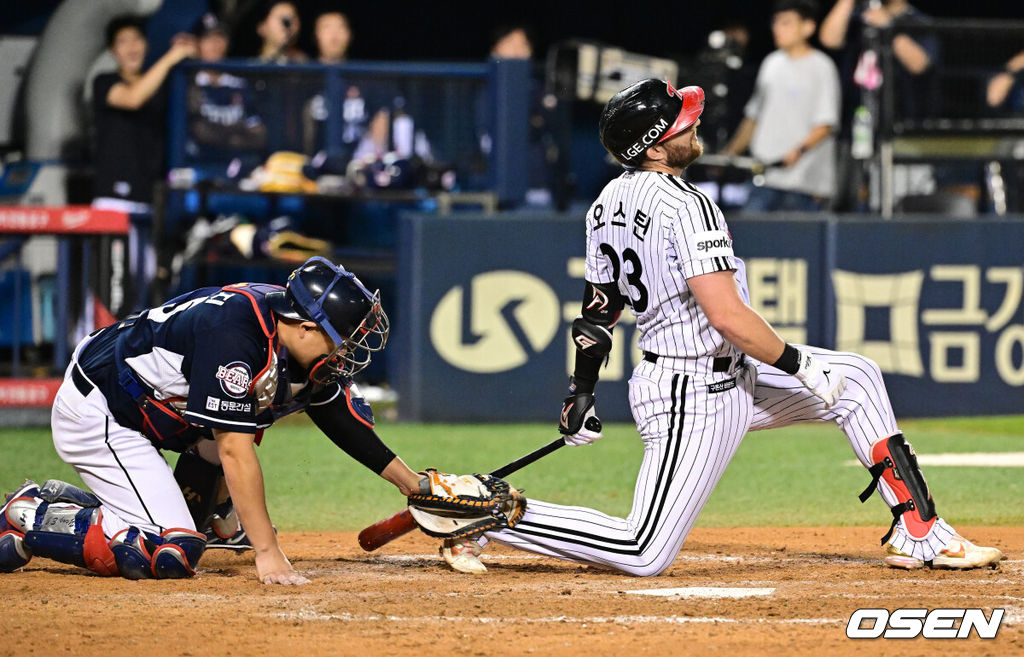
[272, 567]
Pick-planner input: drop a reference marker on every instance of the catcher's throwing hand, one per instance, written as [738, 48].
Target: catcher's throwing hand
[821, 378]
[272, 567]
[579, 422]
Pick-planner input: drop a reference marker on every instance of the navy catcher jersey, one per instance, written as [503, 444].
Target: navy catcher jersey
[212, 354]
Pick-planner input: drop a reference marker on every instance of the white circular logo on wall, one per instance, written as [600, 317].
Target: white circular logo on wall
[508, 316]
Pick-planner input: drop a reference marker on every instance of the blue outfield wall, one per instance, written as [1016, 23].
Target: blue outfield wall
[485, 304]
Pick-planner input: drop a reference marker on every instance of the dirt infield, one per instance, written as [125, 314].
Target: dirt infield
[798, 588]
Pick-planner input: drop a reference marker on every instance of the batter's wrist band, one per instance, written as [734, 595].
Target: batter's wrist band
[789, 361]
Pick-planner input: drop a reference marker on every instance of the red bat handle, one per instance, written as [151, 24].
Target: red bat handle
[386, 530]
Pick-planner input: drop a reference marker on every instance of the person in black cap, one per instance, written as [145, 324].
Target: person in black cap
[213, 38]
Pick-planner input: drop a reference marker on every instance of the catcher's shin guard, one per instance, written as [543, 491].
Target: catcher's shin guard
[895, 462]
[62, 522]
[173, 554]
[13, 552]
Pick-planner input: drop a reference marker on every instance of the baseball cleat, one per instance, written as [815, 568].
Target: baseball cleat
[960, 554]
[224, 531]
[463, 557]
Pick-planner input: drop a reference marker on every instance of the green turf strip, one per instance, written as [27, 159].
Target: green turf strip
[792, 476]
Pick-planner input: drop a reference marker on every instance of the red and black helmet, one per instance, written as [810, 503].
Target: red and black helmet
[647, 113]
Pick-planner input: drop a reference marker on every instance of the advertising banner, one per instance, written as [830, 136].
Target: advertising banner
[486, 303]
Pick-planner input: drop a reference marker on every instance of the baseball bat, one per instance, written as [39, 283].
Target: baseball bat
[384, 531]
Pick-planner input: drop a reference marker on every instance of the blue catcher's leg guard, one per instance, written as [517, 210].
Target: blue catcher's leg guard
[179, 555]
[61, 522]
[173, 554]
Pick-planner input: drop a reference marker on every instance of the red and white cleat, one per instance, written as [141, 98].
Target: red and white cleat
[463, 556]
[960, 554]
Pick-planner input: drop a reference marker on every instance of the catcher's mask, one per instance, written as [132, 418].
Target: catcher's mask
[644, 114]
[322, 292]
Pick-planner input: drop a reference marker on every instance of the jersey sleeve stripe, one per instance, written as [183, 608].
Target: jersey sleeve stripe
[208, 421]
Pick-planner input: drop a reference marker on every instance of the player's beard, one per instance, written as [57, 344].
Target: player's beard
[680, 159]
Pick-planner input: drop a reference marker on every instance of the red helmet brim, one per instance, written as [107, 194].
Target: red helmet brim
[693, 106]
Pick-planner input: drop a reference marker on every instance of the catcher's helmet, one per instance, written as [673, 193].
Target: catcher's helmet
[322, 292]
[647, 113]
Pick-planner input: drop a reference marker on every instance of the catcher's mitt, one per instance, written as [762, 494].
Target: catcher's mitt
[465, 506]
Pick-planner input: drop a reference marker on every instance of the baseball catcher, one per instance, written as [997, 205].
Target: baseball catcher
[206, 374]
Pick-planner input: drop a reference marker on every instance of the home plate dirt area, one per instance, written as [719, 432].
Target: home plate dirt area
[732, 591]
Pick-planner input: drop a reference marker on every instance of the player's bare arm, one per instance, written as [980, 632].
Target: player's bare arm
[244, 476]
[741, 325]
[736, 321]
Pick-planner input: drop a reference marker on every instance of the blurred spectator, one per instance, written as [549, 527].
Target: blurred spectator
[844, 28]
[128, 111]
[212, 38]
[222, 118]
[855, 28]
[724, 62]
[365, 107]
[129, 133]
[333, 36]
[512, 42]
[515, 41]
[791, 117]
[1006, 88]
[279, 30]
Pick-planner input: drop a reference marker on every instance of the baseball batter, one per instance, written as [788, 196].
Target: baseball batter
[206, 372]
[712, 369]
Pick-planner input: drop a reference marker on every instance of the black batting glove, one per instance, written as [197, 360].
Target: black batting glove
[578, 421]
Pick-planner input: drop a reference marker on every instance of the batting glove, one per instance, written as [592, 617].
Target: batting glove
[579, 423]
[821, 379]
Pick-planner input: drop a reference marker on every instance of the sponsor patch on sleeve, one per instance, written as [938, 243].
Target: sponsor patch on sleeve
[234, 378]
[710, 244]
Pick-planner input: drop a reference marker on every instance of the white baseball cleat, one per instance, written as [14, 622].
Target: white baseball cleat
[959, 554]
[463, 556]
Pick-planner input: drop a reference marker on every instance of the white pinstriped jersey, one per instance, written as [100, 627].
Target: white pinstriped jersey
[649, 232]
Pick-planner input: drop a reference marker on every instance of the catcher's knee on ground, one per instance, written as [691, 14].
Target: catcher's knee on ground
[62, 522]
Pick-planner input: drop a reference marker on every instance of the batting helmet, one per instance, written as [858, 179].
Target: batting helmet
[647, 113]
[322, 292]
